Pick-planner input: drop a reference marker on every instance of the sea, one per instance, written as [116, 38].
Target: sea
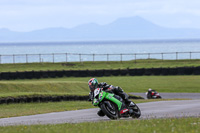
[27, 52]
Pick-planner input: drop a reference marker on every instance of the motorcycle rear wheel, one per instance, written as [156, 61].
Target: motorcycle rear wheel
[112, 113]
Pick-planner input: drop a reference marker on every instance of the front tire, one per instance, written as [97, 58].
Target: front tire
[136, 112]
[159, 97]
[110, 111]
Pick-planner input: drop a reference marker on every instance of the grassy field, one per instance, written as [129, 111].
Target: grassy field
[175, 125]
[43, 87]
[78, 86]
[98, 65]
[22, 109]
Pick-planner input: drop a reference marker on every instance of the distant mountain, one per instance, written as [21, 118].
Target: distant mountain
[132, 28]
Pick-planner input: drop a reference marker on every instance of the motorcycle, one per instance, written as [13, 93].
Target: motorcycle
[153, 95]
[113, 106]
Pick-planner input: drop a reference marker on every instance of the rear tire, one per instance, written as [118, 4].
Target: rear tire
[112, 113]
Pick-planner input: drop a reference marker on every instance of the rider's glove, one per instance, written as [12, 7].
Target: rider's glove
[89, 99]
[90, 96]
[119, 89]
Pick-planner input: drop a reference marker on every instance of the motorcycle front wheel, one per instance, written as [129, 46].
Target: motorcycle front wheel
[136, 112]
[110, 110]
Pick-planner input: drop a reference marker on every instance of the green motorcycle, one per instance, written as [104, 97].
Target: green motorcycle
[113, 106]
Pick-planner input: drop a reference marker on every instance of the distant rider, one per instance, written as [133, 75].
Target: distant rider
[93, 84]
[150, 93]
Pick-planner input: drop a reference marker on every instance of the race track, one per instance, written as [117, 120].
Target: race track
[173, 95]
[160, 109]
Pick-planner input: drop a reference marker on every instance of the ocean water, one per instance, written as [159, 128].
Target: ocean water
[96, 51]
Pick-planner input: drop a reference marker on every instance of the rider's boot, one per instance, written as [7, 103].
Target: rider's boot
[127, 101]
[100, 113]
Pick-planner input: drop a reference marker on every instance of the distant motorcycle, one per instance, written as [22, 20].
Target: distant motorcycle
[152, 94]
[113, 106]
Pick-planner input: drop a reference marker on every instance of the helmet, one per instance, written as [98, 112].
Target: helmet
[150, 89]
[92, 83]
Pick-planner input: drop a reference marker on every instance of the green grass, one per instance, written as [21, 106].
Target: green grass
[98, 65]
[22, 109]
[42, 87]
[78, 86]
[175, 125]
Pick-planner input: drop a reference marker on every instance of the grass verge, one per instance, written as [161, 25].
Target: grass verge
[22, 109]
[147, 63]
[78, 86]
[176, 125]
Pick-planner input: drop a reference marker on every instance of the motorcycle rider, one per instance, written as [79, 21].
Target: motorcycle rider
[93, 84]
[150, 93]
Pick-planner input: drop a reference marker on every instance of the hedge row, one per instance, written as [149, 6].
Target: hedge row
[29, 99]
[99, 73]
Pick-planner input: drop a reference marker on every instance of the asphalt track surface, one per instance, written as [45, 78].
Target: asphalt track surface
[160, 109]
[173, 95]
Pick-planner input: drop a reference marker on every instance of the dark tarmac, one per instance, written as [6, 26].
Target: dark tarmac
[173, 95]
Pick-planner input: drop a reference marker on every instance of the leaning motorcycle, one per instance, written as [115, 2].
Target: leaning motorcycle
[153, 95]
[113, 106]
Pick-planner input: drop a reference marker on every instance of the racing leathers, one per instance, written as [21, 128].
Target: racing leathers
[113, 89]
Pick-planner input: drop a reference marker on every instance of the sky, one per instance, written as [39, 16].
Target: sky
[29, 15]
